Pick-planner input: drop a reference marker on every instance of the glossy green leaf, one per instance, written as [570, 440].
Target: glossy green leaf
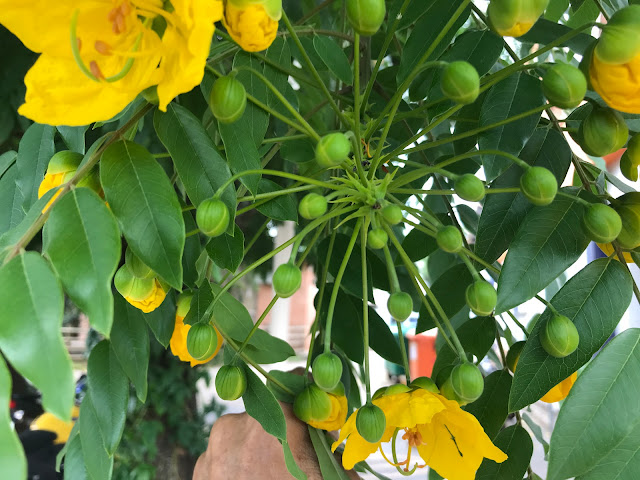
[346, 330]
[197, 161]
[545, 32]
[143, 200]
[109, 393]
[73, 137]
[82, 240]
[503, 214]
[227, 251]
[293, 382]
[263, 406]
[594, 300]
[298, 151]
[130, 344]
[35, 150]
[516, 443]
[11, 212]
[515, 95]
[13, 463]
[491, 409]
[598, 429]
[282, 207]
[549, 240]
[7, 159]
[329, 466]
[74, 464]
[419, 245]
[242, 153]
[162, 320]
[98, 462]
[334, 58]
[33, 303]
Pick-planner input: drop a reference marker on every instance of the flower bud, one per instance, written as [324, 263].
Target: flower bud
[539, 186]
[183, 304]
[287, 280]
[514, 18]
[202, 341]
[630, 160]
[327, 371]
[460, 82]
[481, 297]
[136, 266]
[559, 336]
[371, 423]
[253, 24]
[513, 355]
[312, 206]
[231, 382]
[601, 223]
[604, 131]
[620, 39]
[228, 99]
[467, 381]
[564, 86]
[332, 150]
[400, 305]
[447, 391]
[469, 187]
[312, 405]
[132, 287]
[377, 238]
[392, 214]
[629, 236]
[366, 16]
[425, 383]
[396, 389]
[212, 217]
[449, 239]
[62, 167]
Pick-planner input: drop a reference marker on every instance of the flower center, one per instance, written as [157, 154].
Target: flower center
[414, 439]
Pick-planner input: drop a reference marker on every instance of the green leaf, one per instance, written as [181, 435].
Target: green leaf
[346, 331]
[282, 207]
[13, 463]
[334, 58]
[517, 444]
[30, 337]
[11, 212]
[255, 120]
[74, 463]
[192, 251]
[162, 320]
[280, 54]
[419, 245]
[549, 240]
[516, 94]
[130, 344]
[263, 406]
[293, 382]
[109, 393]
[242, 153]
[594, 300]
[598, 429]
[352, 279]
[503, 214]
[82, 240]
[98, 462]
[298, 151]
[144, 202]
[197, 161]
[545, 32]
[7, 159]
[491, 409]
[329, 466]
[73, 137]
[35, 150]
[227, 251]
[291, 464]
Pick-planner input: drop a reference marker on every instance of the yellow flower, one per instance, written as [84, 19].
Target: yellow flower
[617, 84]
[514, 18]
[96, 57]
[253, 24]
[449, 440]
[337, 416]
[151, 300]
[561, 390]
[178, 343]
[608, 250]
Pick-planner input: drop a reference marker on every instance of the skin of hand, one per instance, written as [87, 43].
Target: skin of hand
[240, 449]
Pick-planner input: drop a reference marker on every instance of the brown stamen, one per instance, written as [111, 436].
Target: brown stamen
[95, 70]
[102, 48]
[79, 42]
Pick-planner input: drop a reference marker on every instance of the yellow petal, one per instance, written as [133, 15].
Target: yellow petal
[251, 27]
[561, 390]
[151, 302]
[517, 30]
[618, 85]
[406, 410]
[608, 250]
[337, 416]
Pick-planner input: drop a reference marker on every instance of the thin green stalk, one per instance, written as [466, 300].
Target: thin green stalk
[278, 193]
[472, 270]
[276, 173]
[365, 308]
[356, 109]
[520, 325]
[575, 198]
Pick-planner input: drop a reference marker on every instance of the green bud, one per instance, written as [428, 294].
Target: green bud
[447, 391]
[377, 238]
[460, 82]
[332, 150]
[604, 131]
[559, 336]
[481, 297]
[396, 389]
[212, 217]
[601, 223]
[449, 239]
[630, 160]
[379, 393]
[312, 206]
[400, 305]
[425, 383]
[183, 304]
[228, 99]
[467, 381]
[202, 341]
[137, 267]
[469, 188]
[629, 236]
[312, 405]
[539, 186]
[231, 382]
[327, 371]
[564, 86]
[392, 214]
[514, 18]
[287, 280]
[371, 423]
[132, 287]
[620, 39]
[366, 16]
[513, 355]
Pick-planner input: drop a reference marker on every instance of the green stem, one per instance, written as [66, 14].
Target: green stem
[548, 304]
[520, 325]
[472, 270]
[278, 193]
[365, 308]
[275, 173]
[575, 198]
[356, 110]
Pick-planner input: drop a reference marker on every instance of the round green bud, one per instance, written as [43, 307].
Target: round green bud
[629, 236]
[228, 99]
[91, 181]
[559, 336]
[396, 389]
[620, 39]
[601, 223]
[332, 150]
[287, 280]
[312, 405]
[514, 18]
[460, 82]
[64, 162]
[202, 341]
[231, 382]
[392, 214]
[377, 238]
[447, 391]
[327, 371]
[424, 383]
[183, 304]
[132, 287]
[467, 381]
[630, 160]
[136, 266]
[513, 355]
[469, 187]
[312, 206]
[604, 131]
[539, 186]
[564, 86]
[400, 305]
[212, 217]
[366, 16]
[481, 297]
[371, 423]
[449, 239]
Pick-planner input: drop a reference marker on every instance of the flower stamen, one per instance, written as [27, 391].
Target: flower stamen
[95, 70]
[103, 48]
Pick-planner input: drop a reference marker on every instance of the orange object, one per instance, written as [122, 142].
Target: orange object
[422, 354]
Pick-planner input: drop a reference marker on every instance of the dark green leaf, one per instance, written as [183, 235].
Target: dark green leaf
[517, 444]
[11, 212]
[329, 466]
[334, 58]
[293, 382]
[491, 409]
[98, 462]
[35, 150]
[7, 159]
[280, 54]
[282, 207]
[74, 464]
[227, 251]
[242, 153]
[291, 464]
[346, 330]
[352, 279]
[146, 206]
[263, 406]
[13, 463]
[419, 245]
[298, 151]
[545, 32]
[255, 120]
[73, 137]
[162, 320]
[594, 300]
